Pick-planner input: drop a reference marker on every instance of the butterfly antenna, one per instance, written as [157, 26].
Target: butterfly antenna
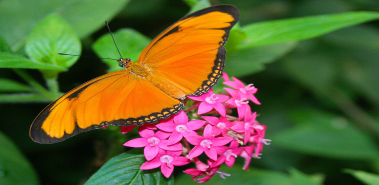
[106, 22]
[85, 56]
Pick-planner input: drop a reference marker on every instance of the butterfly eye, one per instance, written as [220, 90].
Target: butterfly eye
[123, 62]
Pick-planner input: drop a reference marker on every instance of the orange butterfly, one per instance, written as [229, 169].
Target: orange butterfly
[185, 59]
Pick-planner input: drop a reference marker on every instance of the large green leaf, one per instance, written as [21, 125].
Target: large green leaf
[124, 169]
[51, 36]
[295, 29]
[367, 178]
[251, 60]
[85, 16]
[8, 60]
[327, 135]
[241, 177]
[14, 168]
[129, 42]
[13, 86]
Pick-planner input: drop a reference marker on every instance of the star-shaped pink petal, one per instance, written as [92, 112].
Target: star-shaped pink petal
[206, 143]
[166, 160]
[180, 127]
[210, 101]
[152, 143]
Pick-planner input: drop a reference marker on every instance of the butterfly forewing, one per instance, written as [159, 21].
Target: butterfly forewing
[190, 53]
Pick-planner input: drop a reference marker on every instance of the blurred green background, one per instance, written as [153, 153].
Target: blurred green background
[320, 96]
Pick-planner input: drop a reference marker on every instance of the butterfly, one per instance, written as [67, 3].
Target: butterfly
[186, 59]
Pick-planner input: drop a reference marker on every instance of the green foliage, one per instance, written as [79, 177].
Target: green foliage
[124, 169]
[299, 178]
[8, 60]
[129, 42]
[13, 86]
[326, 135]
[257, 58]
[85, 17]
[51, 36]
[4, 47]
[272, 32]
[320, 99]
[14, 167]
[256, 177]
[367, 178]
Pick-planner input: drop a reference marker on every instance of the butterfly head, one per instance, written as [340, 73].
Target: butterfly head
[123, 62]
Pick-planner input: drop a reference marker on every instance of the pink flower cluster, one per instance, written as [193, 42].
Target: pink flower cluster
[221, 137]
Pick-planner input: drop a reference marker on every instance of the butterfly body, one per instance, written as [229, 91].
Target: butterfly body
[147, 73]
[185, 59]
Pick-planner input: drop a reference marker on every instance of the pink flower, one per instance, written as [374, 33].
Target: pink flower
[127, 129]
[247, 126]
[152, 143]
[228, 154]
[245, 91]
[166, 160]
[220, 125]
[179, 127]
[259, 140]
[202, 169]
[247, 153]
[225, 76]
[237, 101]
[209, 101]
[206, 144]
[149, 126]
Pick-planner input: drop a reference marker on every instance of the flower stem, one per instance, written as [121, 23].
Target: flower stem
[187, 145]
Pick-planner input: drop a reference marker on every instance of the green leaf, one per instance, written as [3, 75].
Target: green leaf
[299, 178]
[129, 42]
[51, 36]
[241, 177]
[14, 168]
[8, 60]
[251, 60]
[25, 98]
[191, 3]
[198, 5]
[124, 169]
[314, 71]
[236, 36]
[13, 86]
[85, 16]
[295, 29]
[4, 47]
[365, 177]
[322, 134]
